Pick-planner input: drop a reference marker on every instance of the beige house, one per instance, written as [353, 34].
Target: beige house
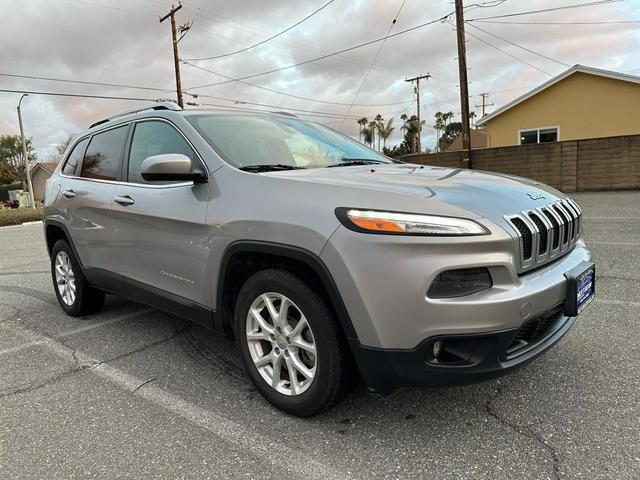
[582, 102]
[40, 173]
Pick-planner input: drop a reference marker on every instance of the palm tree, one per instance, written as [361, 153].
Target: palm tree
[379, 124]
[373, 126]
[404, 126]
[367, 134]
[361, 123]
[385, 131]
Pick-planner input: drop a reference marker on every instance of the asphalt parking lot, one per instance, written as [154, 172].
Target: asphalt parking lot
[133, 392]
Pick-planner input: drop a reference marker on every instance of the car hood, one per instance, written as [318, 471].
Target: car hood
[484, 193]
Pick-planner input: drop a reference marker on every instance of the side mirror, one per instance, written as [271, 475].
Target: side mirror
[170, 167]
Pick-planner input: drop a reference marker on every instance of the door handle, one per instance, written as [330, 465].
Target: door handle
[69, 194]
[124, 200]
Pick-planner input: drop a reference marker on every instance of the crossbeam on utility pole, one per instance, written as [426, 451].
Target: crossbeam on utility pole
[464, 85]
[417, 92]
[176, 59]
[485, 96]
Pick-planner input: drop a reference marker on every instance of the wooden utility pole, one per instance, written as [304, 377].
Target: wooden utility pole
[485, 96]
[176, 59]
[464, 86]
[417, 91]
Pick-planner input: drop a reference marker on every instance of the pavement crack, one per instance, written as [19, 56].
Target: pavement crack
[523, 431]
[177, 333]
[50, 381]
[143, 384]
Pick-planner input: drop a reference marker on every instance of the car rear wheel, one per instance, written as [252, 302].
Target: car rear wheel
[75, 295]
[290, 344]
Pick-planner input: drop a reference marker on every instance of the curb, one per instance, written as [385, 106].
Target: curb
[37, 222]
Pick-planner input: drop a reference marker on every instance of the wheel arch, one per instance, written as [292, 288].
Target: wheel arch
[54, 231]
[252, 256]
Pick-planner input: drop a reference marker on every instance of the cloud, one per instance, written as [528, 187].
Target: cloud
[123, 42]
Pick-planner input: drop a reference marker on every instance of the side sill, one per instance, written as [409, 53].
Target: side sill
[151, 296]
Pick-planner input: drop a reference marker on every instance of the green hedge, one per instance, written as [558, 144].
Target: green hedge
[16, 216]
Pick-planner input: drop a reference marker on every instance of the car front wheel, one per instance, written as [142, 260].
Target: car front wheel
[290, 343]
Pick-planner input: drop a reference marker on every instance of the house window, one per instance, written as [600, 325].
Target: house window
[538, 135]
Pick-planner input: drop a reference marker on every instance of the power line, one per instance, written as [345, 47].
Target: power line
[248, 109]
[366, 75]
[261, 33]
[269, 38]
[247, 102]
[84, 82]
[506, 22]
[291, 94]
[508, 54]
[302, 114]
[167, 90]
[59, 94]
[519, 46]
[544, 10]
[371, 42]
[109, 7]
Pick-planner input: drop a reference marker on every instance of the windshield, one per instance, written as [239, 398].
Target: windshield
[252, 140]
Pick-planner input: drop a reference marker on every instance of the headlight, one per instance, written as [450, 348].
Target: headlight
[375, 221]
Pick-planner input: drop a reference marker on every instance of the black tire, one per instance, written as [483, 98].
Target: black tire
[87, 299]
[332, 370]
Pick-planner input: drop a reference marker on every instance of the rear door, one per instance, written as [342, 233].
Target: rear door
[87, 192]
[162, 238]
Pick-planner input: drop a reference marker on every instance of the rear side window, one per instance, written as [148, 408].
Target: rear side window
[75, 158]
[155, 138]
[102, 160]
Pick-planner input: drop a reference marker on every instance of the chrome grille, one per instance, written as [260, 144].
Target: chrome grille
[546, 233]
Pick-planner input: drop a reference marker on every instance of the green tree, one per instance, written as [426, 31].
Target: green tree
[367, 134]
[384, 132]
[11, 161]
[442, 120]
[410, 132]
[361, 124]
[378, 124]
[449, 134]
[60, 149]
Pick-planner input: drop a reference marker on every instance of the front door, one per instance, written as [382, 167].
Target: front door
[162, 239]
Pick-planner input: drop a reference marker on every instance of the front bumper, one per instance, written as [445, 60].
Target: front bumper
[467, 358]
[384, 283]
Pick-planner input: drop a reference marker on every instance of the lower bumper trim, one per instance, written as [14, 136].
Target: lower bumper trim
[481, 357]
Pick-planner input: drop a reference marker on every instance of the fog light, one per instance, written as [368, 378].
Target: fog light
[458, 283]
[437, 348]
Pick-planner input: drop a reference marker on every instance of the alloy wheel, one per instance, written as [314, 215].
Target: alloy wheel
[281, 344]
[65, 278]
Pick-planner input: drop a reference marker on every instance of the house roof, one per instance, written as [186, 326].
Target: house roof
[478, 140]
[575, 69]
[47, 166]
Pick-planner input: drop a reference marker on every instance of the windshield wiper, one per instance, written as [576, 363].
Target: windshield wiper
[348, 162]
[269, 167]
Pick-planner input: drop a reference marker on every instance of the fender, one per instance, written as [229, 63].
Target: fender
[306, 257]
[63, 227]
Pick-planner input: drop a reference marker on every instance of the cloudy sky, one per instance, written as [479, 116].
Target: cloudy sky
[122, 42]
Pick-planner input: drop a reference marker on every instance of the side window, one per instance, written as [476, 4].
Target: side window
[75, 157]
[155, 138]
[102, 159]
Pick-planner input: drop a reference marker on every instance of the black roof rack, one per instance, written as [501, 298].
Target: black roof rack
[160, 105]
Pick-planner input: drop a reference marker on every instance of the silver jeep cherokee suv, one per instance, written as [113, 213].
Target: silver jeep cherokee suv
[325, 259]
